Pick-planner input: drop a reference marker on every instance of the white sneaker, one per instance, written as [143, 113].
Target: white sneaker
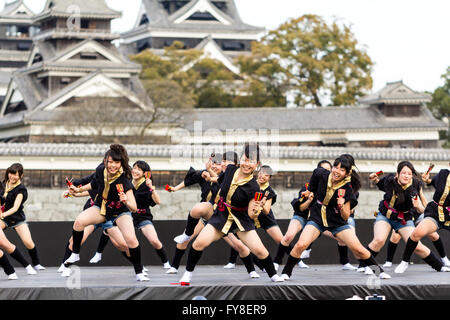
[384, 275]
[285, 277]
[141, 277]
[348, 266]
[181, 238]
[66, 273]
[362, 269]
[61, 268]
[74, 257]
[254, 275]
[401, 267]
[172, 270]
[276, 266]
[277, 278]
[387, 264]
[145, 273]
[305, 254]
[38, 267]
[166, 265]
[30, 269]
[186, 278]
[144, 269]
[368, 271]
[445, 261]
[445, 269]
[13, 276]
[230, 266]
[96, 258]
[303, 265]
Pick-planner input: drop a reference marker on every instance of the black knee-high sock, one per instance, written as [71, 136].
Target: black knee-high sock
[6, 265]
[179, 253]
[233, 256]
[135, 257]
[439, 245]
[162, 254]
[190, 225]
[17, 255]
[409, 249]
[433, 261]
[372, 262]
[126, 257]
[67, 252]
[34, 256]
[248, 262]
[268, 266]
[282, 250]
[104, 239]
[257, 261]
[77, 236]
[373, 254]
[193, 258]
[290, 264]
[343, 254]
[392, 247]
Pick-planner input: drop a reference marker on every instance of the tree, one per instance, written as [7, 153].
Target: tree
[311, 60]
[440, 105]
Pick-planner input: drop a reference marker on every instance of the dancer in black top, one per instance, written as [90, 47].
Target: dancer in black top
[335, 196]
[12, 216]
[401, 195]
[114, 202]
[236, 208]
[437, 216]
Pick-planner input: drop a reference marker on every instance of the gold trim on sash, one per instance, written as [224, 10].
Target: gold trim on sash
[263, 189]
[234, 185]
[138, 183]
[394, 198]
[209, 196]
[10, 187]
[264, 186]
[442, 201]
[106, 189]
[329, 195]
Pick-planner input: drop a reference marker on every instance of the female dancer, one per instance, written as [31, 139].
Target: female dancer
[12, 215]
[7, 267]
[236, 208]
[401, 195]
[437, 216]
[334, 194]
[114, 202]
[298, 221]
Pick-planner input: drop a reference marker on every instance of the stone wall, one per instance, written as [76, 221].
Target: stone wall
[48, 205]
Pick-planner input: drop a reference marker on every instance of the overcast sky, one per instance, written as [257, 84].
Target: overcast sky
[407, 39]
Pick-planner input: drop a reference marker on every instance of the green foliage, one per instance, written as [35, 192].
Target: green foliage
[440, 105]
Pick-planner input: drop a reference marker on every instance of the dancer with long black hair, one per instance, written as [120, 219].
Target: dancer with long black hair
[114, 202]
[437, 216]
[236, 208]
[335, 196]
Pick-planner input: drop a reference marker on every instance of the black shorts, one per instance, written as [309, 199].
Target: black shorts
[14, 220]
[431, 211]
[266, 221]
[224, 222]
[140, 221]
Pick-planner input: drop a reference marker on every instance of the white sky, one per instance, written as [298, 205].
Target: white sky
[408, 40]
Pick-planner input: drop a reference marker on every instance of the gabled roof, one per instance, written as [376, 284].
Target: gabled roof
[396, 93]
[12, 9]
[85, 8]
[194, 6]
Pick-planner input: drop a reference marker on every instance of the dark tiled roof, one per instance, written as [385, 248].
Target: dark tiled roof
[396, 93]
[88, 8]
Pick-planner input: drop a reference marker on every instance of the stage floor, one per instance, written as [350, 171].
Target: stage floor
[216, 283]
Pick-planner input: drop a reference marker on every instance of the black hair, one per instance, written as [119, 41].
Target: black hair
[216, 157]
[397, 187]
[144, 166]
[266, 169]
[349, 157]
[14, 168]
[346, 163]
[230, 156]
[319, 164]
[117, 152]
[252, 151]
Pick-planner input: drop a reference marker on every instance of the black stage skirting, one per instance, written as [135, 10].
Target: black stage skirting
[51, 239]
[319, 282]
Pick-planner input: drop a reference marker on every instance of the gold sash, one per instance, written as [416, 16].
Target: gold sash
[442, 201]
[208, 197]
[394, 198]
[234, 185]
[10, 187]
[108, 182]
[138, 183]
[263, 189]
[330, 191]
